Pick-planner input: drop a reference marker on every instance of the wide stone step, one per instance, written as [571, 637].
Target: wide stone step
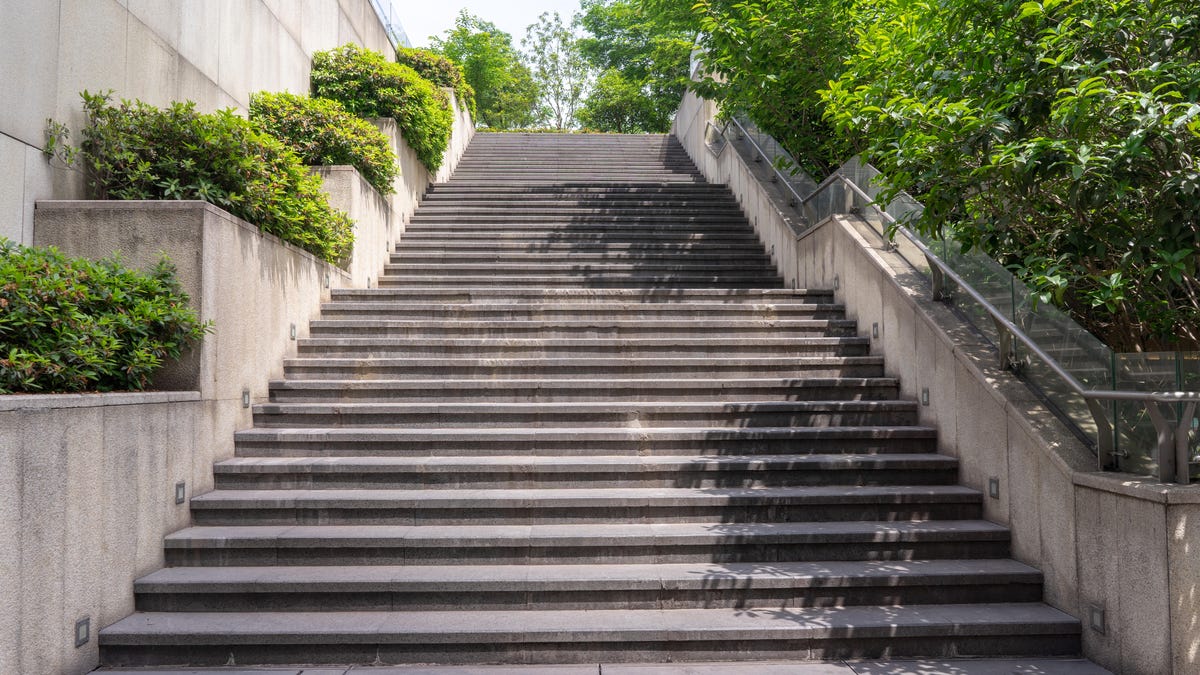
[444, 196]
[682, 367]
[556, 636]
[701, 387]
[563, 328]
[591, 543]
[692, 347]
[589, 414]
[491, 294]
[582, 239]
[729, 210]
[497, 248]
[544, 222]
[656, 191]
[654, 266]
[532, 471]
[592, 587]
[539, 506]
[581, 441]
[593, 311]
[586, 280]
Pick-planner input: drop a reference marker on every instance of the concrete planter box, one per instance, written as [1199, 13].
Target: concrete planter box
[1113, 547]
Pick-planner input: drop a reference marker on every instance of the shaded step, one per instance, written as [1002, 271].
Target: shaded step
[594, 587]
[677, 367]
[565, 328]
[588, 414]
[642, 295]
[586, 347]
[307, 442]
[554, 636]
[593, 310]
[597, 471]
[590, 543]
[702, 388]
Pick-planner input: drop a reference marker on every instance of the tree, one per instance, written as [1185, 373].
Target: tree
[558, 67]
[770, 59]
[616, 104]
[646, 52]
[505, 93]
[1058, 137]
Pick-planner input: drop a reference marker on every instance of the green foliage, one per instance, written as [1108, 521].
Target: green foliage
[616, 104]
[132, 150]
[558, 67]
[1057, 136]
[77, 325]
[369, 85]
[442, 72]
[771, 58]
[321, 132]
[649, 52]
[506, 95]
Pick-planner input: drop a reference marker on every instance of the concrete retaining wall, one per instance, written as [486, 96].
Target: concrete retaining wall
[213, 52]
[87, 489]
[1114, 548]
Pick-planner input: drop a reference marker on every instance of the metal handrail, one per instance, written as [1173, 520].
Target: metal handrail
[1172, 430]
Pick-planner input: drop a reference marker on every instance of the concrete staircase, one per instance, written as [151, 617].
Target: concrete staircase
[580, 420]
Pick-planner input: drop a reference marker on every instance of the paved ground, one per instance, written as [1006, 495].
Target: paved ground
[902, 667]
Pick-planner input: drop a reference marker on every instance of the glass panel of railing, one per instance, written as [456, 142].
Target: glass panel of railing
[1189, 380]
[801, 182]
[1137, 438]
[830, 200]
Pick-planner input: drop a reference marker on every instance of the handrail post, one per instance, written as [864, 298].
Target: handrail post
[937, 279]
[1105, 446]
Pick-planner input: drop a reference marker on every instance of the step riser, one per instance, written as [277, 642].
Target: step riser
[383, 312]
[485, 330]
[315, 369]
[546, 419]
[715, 446]
[531, 395]
[734, 552]
[449, 598]
[634, 479]
[613, 281]
[499, 351]
[581, 651]
[497, 515]
[487, 296]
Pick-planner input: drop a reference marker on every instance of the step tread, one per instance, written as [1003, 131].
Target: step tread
[532, 498]
[594, 534]
[701, 381]
[463, 578]
[577, 464]
[592, 625]
[591, 433]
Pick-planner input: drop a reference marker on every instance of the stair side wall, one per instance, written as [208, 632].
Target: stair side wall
[215, 53]
[1107, 543]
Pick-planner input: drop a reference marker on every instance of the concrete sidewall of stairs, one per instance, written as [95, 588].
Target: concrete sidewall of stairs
[1105, 542]
[87, 483]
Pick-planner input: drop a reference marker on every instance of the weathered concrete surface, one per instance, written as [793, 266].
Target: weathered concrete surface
[213, 53]
[1111, 541]
[86, 491]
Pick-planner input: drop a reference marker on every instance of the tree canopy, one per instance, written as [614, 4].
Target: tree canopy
[506, 95]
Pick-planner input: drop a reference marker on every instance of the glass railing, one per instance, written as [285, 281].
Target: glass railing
[390, 17]
[1137, 410]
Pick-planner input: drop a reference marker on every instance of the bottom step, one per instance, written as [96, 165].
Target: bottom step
[582, 636]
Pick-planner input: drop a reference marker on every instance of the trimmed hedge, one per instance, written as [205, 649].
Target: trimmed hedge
[441, 71]
[78, 325]
[369, 85]
[137, 151]
[322, 132]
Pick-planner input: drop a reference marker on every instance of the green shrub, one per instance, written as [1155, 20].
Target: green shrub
[368, 85]
[322, 132]
[441, 71]
[78, 325]
[136, 151]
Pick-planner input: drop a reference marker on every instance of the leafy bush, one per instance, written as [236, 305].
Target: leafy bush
[441, 71]
[322, 132]
[77, 325]
[368, 85]
[136, 151]
[1058, 137]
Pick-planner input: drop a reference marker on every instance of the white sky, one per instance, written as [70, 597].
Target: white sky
[423, 18]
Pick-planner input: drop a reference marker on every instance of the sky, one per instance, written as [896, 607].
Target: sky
[423, 18]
